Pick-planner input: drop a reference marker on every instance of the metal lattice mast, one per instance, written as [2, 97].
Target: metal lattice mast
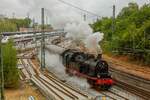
[113, 19]
[42, 41]
[113, 25]
[1, 72]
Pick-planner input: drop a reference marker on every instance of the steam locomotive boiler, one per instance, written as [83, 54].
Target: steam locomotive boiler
[95, 70]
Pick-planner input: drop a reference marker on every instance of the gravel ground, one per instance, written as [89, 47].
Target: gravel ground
[23, 93]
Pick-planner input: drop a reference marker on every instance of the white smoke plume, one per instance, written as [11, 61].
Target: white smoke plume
[92, 42]
[53, 62]
[83, 32]
[81, 83]
[78, 31]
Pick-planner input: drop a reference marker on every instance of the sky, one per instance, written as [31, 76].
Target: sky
[58, 13]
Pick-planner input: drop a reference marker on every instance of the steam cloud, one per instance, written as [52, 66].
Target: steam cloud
[54, 62]
[78, 31]
[82, 32]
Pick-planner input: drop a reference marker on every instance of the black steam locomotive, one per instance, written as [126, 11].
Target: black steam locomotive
[88, 66]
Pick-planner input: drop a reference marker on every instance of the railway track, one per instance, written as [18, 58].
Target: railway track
[52, 88]
[114, 96]
[134, 84]
[66, 87]
[138, 92]
[118, 93]
[60, 93]
[111, 95]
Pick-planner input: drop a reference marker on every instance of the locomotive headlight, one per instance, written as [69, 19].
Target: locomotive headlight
[98, 75]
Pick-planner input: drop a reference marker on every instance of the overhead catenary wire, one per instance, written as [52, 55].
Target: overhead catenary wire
[48, 12]
[71, 5]
[88, 14]
[85, 12]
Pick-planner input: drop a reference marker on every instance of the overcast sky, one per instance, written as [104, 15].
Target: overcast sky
[59, 13]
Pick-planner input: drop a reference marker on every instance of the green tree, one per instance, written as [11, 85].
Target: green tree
[5, 26]
[132, 32]
[11, 25]
[128, 11]
[11, 76]
[21, 22]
